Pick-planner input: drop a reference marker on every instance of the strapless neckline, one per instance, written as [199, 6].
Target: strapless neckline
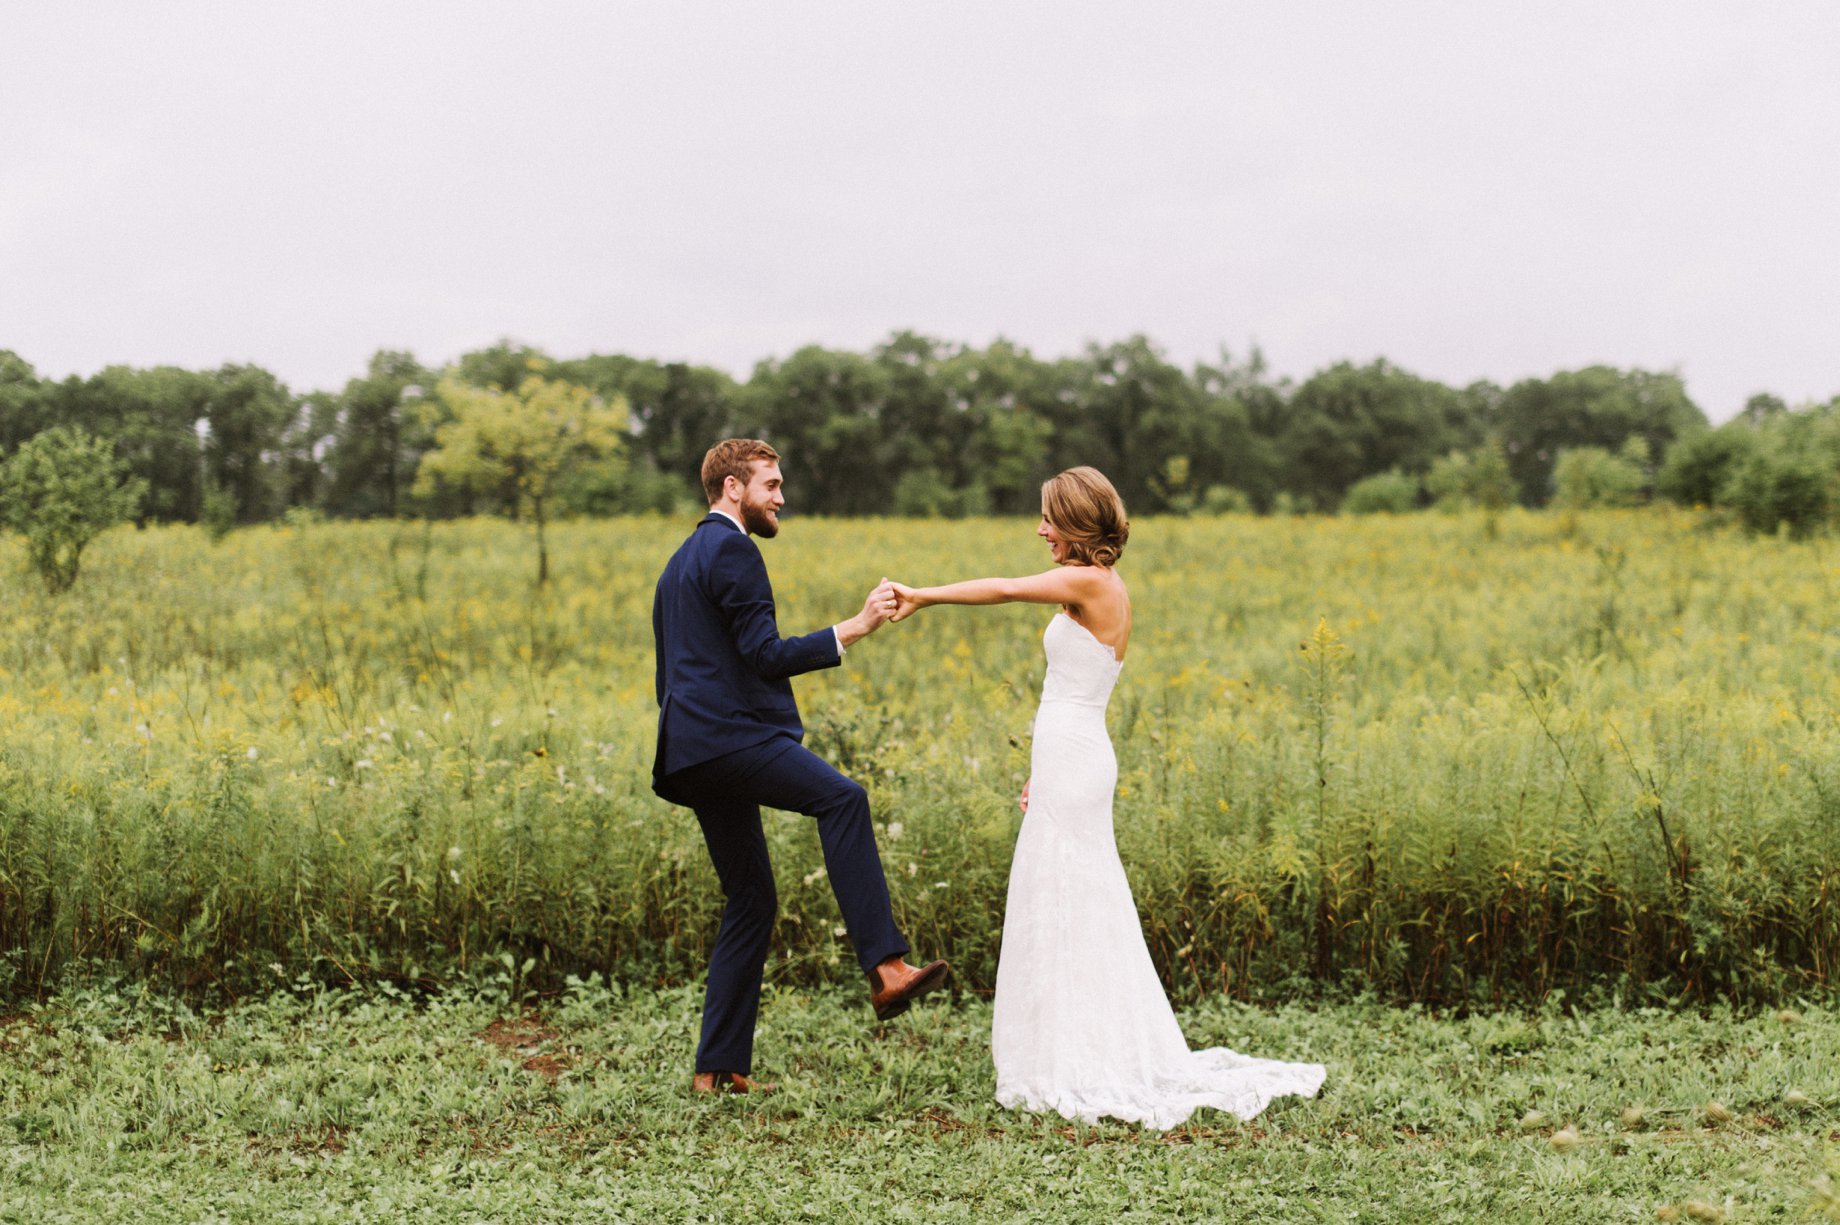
[1093, 638]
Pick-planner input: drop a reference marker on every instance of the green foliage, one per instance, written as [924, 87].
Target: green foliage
[1600, 407]
[302, 1104]
[1349, 422]
[1134, 412]
[502, 366]
[1792, 477]
[1237, 437]
[1465, 480]
[375, 437]
[1591, 477]
[1762, 407]
[23, 407]
[1225, 500]
[611, 487]
[218, 515]
[1174, 486]
[152, 417]
[935, 427]
[369, 751]
[1774, 468]
[1701, 466]
[516, 447]
[677, 412]
[818, 408]
[922, 493]
[1390, 492]
[1780, 486]
[61, 489]
[247, 409]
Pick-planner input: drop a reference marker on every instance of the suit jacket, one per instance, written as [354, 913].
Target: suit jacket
[723, 670]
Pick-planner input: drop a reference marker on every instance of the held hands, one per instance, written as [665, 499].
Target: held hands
[876, 609]
[880, 606]
[1023, 801]
[890, 601]
[907, 601]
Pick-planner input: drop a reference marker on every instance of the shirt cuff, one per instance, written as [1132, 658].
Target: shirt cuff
[838, 635]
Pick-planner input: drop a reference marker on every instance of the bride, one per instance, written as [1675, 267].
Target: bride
[1081, 1023]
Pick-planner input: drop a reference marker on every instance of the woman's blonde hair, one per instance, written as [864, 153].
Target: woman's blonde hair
[1089, 515]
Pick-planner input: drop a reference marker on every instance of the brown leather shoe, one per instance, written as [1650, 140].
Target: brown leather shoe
[894, 985]
[727, 1082]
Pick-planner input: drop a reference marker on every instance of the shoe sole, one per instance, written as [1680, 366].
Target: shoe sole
[733, 1090]
[929, 981]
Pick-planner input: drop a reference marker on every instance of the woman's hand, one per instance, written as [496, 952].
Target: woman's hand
[907, 601]
[1023, 801]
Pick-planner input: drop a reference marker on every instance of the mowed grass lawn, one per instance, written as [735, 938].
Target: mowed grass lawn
[325, 1106]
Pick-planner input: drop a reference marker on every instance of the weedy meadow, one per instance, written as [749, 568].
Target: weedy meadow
[1458, 760]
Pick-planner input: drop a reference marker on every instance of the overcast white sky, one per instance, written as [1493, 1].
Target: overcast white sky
[1470, 190]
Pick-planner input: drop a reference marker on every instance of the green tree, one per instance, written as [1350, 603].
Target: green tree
[926, 426]
[245, 415]
[1348, 422]
[1700, 466]
[300, 473]
[61, 489]
[1597, 407]
[153, 418]
[1136, 412]
[1762, 407]
[22, 401]
[1775, 488]
[678, 412]
[1592, 476]
[1790, 477]
[1235, 444]
[518, 445]
[376, 438]
[1010, 441]
[1478, 477]
[821, 409]
[503, 366]
[1391, 492]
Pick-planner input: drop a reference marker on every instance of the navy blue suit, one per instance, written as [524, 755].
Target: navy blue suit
[729, 741]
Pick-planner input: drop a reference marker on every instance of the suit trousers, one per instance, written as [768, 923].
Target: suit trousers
[726, 795]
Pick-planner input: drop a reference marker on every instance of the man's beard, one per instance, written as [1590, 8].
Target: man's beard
[757, 517]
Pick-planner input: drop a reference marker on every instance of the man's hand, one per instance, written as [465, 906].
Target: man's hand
[1023, 802]
[880, 606]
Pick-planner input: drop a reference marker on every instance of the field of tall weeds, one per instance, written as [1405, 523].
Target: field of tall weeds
[1463, 760]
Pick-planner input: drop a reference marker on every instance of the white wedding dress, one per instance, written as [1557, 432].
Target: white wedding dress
[1082, 1025]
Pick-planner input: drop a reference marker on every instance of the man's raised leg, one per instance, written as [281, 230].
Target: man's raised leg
[798, 780]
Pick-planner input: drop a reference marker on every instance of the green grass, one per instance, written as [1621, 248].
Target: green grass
[322, 1106]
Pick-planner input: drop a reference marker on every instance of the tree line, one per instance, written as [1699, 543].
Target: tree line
[917, 426]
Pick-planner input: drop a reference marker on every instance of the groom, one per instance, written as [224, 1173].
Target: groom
[729, 741]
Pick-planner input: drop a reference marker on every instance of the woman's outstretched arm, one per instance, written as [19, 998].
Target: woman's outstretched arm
[1061, 585]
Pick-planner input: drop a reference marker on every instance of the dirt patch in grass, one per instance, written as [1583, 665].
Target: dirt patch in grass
[524, 1039]
[328, 1138]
